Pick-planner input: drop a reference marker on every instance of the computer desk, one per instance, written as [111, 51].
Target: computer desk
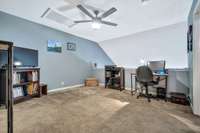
[165, 75]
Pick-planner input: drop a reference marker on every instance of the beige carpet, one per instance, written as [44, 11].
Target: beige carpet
[99, 110]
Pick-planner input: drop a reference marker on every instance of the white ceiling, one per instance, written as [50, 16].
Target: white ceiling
[131, 16]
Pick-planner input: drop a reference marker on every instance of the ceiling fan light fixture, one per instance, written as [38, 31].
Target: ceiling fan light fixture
[96, 25]
[145, 2]
[96, 20]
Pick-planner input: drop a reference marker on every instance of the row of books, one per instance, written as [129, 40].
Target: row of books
[25, 90]
[25, 77]
[17, 92]
[32, 88]
[34, 76]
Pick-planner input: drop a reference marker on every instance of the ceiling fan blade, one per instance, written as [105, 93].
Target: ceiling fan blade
[65, 8]
[109, 12]
[108, 23]
[45, 12]
[83, 21]
[85, 11]
[93, 8]
[73, 2]
[72, 25]
[70, 5]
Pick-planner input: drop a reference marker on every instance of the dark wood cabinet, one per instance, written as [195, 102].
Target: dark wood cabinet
[3, 87]
[43, 89]
[115, 77]
[8, 48]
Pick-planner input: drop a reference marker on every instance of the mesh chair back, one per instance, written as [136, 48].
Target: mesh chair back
[144, 74]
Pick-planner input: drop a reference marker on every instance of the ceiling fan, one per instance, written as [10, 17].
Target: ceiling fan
[96, 20]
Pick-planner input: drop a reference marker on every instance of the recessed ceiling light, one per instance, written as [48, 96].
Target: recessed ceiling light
[144, 2]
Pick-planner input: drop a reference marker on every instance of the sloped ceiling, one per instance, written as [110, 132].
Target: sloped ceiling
[132, 16]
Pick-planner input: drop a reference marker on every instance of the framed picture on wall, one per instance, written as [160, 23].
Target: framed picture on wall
[71, 46]
[190, 39]
[54, 46]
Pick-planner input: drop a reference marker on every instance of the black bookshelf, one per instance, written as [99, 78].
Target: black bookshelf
[25, 80]
[115, 77]
[8, 47]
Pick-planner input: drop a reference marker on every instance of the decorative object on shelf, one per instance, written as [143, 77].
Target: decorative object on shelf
[18, 63]
[54, 46]
[71, 46]
[94, 65]
[190, 39]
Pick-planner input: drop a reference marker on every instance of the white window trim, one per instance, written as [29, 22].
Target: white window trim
[196, 59]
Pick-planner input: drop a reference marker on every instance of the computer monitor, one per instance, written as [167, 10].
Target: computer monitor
[157, 66]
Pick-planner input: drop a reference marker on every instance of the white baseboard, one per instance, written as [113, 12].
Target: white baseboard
[65, 88]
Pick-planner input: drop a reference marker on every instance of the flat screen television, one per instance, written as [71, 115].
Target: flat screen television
[27, 57]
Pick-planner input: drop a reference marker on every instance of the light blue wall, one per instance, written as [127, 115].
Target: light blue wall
[68, 67]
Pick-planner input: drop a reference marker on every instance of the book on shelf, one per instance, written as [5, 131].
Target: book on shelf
[35, 88]
[16, 78]
[33, 76]
[32, 88]
[17, 92]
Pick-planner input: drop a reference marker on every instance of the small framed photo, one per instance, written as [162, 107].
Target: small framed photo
[71, 46]
[54, 46]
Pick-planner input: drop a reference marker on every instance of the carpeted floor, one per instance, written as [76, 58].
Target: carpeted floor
[99, 110]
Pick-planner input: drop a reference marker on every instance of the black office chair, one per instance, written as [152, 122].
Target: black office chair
[158, 67]
[144, 76]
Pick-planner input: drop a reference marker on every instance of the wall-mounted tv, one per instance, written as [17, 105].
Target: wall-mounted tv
[27, 57]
